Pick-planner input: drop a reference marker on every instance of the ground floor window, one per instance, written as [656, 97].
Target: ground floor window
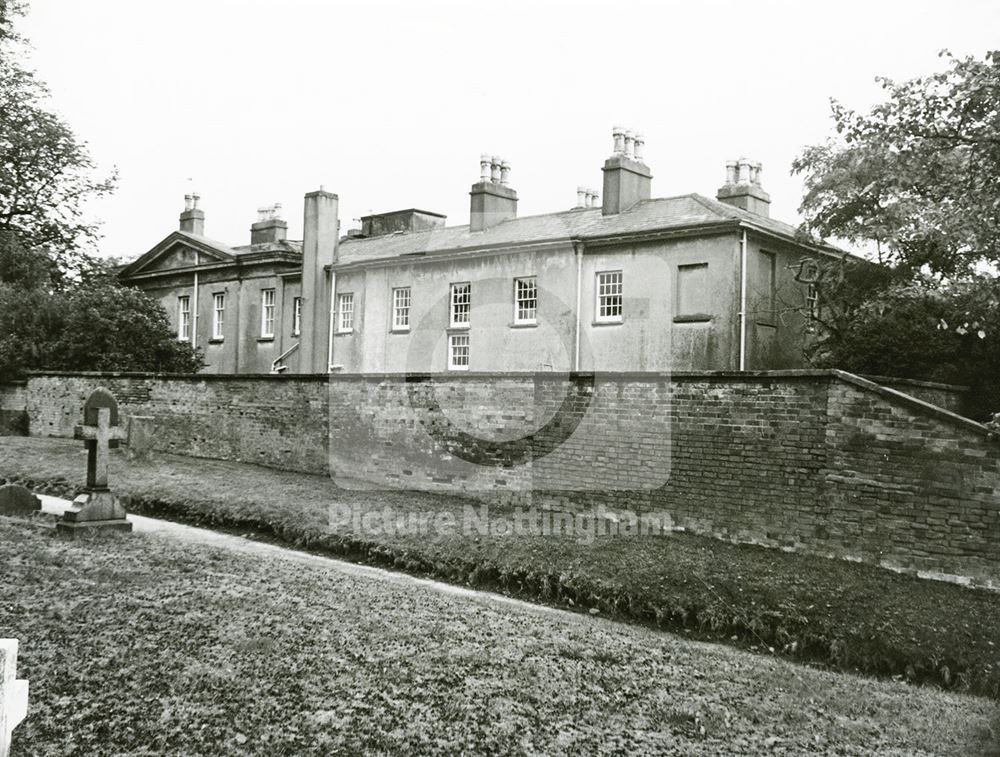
[345, 312]
[458, 352]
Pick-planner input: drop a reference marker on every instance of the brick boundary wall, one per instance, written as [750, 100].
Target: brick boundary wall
[817, 461]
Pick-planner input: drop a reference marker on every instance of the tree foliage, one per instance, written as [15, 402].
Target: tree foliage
[917, 175]
[60, 307]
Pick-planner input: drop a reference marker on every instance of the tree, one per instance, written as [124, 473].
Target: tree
[914, 180]
[917, 175]
[60, 307]
[46, 172]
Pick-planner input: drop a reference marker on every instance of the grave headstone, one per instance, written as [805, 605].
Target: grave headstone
[18, 500]
[13, 694]
[96, 507]
[140, 437]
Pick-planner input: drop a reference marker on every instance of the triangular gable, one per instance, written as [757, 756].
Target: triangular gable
[179, 250]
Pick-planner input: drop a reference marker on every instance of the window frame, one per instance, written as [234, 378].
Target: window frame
[345, 316]
[218, 316]
[533, 319]
[296, 316]
[184, 318]
[453, 304]
[453, 345]
[767, 303]
[267, 313]
[401, 309]
[598, 295]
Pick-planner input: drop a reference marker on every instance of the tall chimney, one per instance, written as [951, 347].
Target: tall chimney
[193, 217]
[626, 178]
[742, 188]
[269, 226]
[492, 200]
[320, 231]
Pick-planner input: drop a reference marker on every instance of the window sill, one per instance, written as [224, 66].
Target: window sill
[524, 325]
[458, 367]
[217, 340]
[459, 326]
[400, 330]
[693, 318]
[616, 322]
[265, 339]
[345, 332]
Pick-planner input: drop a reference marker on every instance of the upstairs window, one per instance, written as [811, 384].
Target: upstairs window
[296, 316]
[345, 312]
[461, 304]
[401, 309]
[184, 318]
[266, 313]
[609, 297]
[218, 315]
[692, 290]
[525, 300]
[812, 301]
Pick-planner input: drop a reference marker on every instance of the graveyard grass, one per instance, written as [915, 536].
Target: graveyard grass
[149, 645]
[845, 615]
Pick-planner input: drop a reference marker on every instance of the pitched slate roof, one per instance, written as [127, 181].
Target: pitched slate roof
[666, 213]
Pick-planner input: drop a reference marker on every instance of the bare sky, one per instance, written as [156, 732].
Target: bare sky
[389, 104]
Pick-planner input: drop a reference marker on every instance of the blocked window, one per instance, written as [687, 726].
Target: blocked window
[609, 296]
[458, 352]
[266, 313]
[692, 289]
[401, 309]
[525, 299]
[767, 270]
[218, 315]
[296, 316]
[461, 304]
[345, 312]
[184, 318]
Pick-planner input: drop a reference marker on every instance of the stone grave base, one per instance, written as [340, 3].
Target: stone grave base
[18, 500]
[93, 510]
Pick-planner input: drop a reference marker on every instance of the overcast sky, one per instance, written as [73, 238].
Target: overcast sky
[389, 104]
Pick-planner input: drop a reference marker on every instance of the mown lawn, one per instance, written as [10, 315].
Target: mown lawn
[142, 645]
[846, 615]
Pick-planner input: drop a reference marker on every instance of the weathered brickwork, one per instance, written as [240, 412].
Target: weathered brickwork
[817, 461]
[277, 421]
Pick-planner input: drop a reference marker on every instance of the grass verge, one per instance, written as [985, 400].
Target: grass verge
[846, 615]
[148, 645]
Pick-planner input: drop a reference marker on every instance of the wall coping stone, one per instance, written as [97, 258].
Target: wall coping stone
[914, 382]
[899, 398]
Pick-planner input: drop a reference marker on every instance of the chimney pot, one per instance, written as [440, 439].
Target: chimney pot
[640, 144]
[594, 199]
[582, 197]
[504, 173]
[484, 167]
[194, 200]
[730, 172]
[618, 133]
[744, 172]
[187, 202]
[495, 169]
[629, 145]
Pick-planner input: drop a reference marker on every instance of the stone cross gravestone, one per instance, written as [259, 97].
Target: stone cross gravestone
[18, 500]
[13, 694]
[96, 507]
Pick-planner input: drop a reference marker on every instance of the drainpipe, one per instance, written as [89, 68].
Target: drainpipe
[578, 251]
[743, 301]
[194, 308]
[333, 305]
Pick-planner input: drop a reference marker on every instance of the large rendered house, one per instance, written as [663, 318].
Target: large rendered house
[621, 282]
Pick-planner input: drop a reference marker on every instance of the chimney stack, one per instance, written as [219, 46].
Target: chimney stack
[492, 199]
[627, 180]
[742, 188]
[269, 226]
[320, 230]
[193, 218]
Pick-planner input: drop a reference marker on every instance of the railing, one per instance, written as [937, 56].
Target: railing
[277, 367]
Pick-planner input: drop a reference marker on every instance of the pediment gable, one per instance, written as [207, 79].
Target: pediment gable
[178, 251]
